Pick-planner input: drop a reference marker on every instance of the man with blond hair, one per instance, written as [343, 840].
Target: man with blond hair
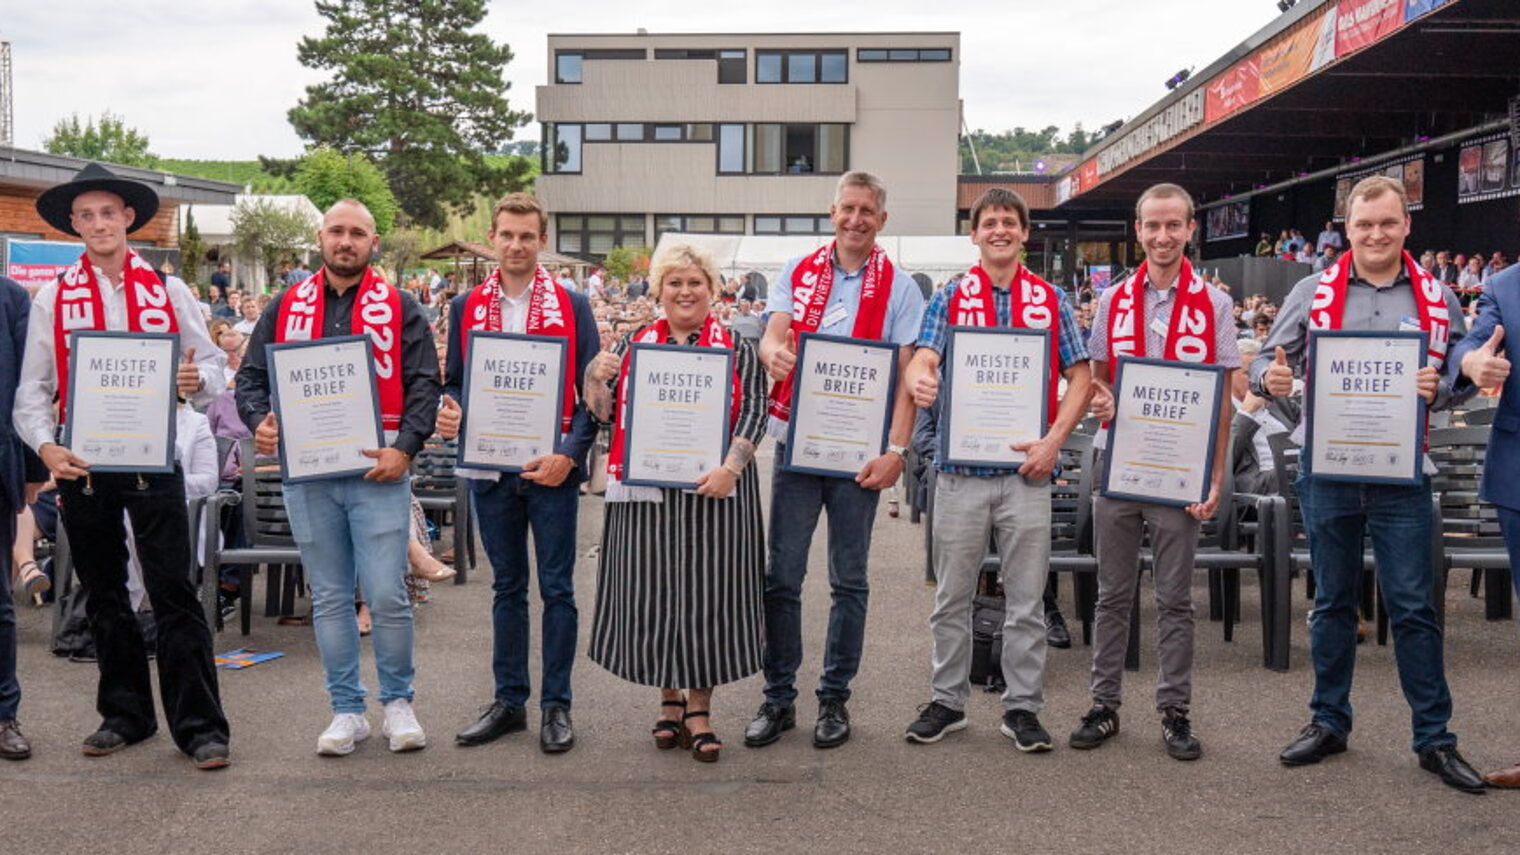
[520, 296]
[1376, 287]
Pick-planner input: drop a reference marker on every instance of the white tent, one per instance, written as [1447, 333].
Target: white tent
[939, 257]
[214, 222]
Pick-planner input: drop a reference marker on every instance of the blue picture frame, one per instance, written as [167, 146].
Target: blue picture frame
[464, 391]
[172, 423]
[633, 385]
[1209, 461]
[1417, 465]
[803, 341]
[947, 368]
[272, 352]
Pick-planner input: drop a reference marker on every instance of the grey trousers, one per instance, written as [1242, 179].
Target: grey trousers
[1174, 537]
[966, 510]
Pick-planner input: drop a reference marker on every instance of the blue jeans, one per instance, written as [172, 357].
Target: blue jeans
[796, 500]
[507, 509]
[352, 531]
[1509, 523]
[1399, 521]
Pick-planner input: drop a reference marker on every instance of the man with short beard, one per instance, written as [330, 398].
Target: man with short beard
[112, 288]
[353, 530]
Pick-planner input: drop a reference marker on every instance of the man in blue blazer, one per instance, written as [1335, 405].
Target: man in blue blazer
[1481, 356]
[18, 466]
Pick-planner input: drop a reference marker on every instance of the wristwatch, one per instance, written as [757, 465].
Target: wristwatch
[899, 450]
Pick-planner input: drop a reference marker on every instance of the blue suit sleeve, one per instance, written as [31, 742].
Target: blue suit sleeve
[588, 343]
[453, 371]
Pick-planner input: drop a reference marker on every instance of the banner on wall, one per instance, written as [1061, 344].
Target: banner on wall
[1360, 23]
[1298, 54]
[35, 263]
[1487, 168]
[1232, 90]
[1099, 277]
[1416, 8]
[1410, 172]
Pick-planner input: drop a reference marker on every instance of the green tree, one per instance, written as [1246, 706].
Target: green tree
[417, 88]
[624, 261]
[192, 250]
[267, 232]
[325, 176]
[107, 139]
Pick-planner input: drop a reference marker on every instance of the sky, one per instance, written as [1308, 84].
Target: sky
[214, 80]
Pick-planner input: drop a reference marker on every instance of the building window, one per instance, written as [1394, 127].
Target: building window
[903, 55]
[668, 133]
[699, 224]
[597, 234]
[800, 149]
[792, 224]
[630, 132]
[598, 132]
[569, 65]
[801, 66]
[731, 63]
[562, 148]
[731, 159]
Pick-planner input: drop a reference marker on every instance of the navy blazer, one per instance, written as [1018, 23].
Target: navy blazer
[588, 342]
[1499, 306]
[18, 463]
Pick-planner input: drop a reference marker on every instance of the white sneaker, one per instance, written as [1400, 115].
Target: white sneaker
[401, 726]
[340, 737]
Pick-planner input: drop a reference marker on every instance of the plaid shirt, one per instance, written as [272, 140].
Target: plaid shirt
[936, 331]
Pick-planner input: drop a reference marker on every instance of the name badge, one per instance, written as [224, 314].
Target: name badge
[1408, 324]
[1159, 327]
[834, 316]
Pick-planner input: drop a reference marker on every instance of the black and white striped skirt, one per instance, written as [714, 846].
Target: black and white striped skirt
[680, 591]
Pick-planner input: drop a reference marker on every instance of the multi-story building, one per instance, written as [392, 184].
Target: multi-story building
[744, 133]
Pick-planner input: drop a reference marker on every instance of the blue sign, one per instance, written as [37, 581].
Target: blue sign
[37, 262]
[1419, 8]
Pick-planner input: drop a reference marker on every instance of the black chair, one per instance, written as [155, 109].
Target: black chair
[1469, 529]
[266, 529]
[442, 492]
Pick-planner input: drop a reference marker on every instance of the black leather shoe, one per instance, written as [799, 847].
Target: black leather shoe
[212, 755]
[1056, 633]
[103, 742]
[833, 728]
[770, 721]
[498, 720]
[1314, 743]
[555, 735]
[1443, 760]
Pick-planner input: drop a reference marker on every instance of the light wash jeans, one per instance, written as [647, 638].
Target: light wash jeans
[353, 531]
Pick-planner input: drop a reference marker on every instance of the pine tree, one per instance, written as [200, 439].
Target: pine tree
[419, 91]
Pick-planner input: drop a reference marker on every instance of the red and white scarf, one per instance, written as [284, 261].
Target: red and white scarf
[78, 307]
[713, 335]
[1435, 319]
[376, 314]
[1190, 337]
[812, 282]
[549, 313]
[1035, 306]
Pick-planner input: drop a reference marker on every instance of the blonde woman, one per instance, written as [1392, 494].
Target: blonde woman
[680, 589]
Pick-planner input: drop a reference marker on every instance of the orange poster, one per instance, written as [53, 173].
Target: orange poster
[1232, 90]
[1297, 54]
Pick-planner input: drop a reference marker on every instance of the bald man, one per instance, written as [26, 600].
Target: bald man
[353, 530]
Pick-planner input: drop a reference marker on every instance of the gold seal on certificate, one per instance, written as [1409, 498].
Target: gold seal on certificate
[325, 401]
[996, 384]
[1365, 419]
[1161, 441]
[514, 393]
[842, 397]
[677, 428]
[121, 400]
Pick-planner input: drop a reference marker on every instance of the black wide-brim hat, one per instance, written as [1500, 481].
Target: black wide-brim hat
[57, 205]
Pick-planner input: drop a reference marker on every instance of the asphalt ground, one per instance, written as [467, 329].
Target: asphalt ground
[615, 792]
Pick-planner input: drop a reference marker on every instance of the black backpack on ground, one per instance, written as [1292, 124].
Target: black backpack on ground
[987, 642]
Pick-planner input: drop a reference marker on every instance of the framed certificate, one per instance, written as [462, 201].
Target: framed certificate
[676, 427]
[996, 394]
[514, 392]
[1161, 441]
[122, 392]
[325, 400]
[843, 392]
[1364, 418]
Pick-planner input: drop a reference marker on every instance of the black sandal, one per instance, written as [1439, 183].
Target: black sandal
[699, 741]
[668, 733]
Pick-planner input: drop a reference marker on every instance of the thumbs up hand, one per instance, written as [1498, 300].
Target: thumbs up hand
[784, 358]
[266, 437]
[449, 417]
[188, 379]
[1486, 366]
[1278, 381]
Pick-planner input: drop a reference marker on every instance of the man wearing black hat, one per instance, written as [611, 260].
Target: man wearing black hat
[111, 287]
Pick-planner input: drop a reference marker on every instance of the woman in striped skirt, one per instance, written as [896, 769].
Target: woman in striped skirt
[679, 601]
